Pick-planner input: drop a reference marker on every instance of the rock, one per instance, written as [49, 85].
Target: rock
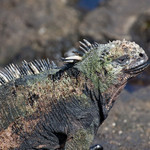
[140, 31]
[131, 114]
[113, 20]
[41, 26]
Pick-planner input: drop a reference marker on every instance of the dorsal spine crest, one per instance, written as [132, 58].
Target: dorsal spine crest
[12, 72]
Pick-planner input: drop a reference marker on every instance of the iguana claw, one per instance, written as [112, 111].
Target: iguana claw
[96, 147]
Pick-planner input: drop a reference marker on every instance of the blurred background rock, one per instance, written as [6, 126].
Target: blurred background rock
[37, 29]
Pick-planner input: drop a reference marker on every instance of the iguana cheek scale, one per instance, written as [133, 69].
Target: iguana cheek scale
[43, 106]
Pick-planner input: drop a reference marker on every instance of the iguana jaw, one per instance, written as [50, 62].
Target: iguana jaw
[128, 74]
[137, 69]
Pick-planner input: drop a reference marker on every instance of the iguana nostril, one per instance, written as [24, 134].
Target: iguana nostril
[141, 55]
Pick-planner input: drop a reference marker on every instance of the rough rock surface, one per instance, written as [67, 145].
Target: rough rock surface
[128, 124]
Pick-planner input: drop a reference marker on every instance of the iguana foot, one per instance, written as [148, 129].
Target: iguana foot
[96, 147]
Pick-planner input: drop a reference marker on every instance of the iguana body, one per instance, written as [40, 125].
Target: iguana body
[46, 107]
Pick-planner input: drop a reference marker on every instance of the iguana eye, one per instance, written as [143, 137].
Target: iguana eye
[123, 59]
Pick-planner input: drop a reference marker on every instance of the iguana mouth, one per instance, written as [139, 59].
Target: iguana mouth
[138, 69]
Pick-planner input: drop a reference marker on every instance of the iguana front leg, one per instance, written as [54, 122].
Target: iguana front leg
[81, 140]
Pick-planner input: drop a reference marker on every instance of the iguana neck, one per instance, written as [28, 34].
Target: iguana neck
[108, 85]
[95, 71]
[92, 91]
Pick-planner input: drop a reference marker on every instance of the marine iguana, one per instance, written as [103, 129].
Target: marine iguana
[45, 107]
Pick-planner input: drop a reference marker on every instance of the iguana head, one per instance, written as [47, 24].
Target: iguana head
[109, 66]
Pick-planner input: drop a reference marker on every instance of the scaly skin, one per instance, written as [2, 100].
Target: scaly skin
[62, 108]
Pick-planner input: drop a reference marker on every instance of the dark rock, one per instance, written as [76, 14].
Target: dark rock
[140, 31]
[128, 124]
